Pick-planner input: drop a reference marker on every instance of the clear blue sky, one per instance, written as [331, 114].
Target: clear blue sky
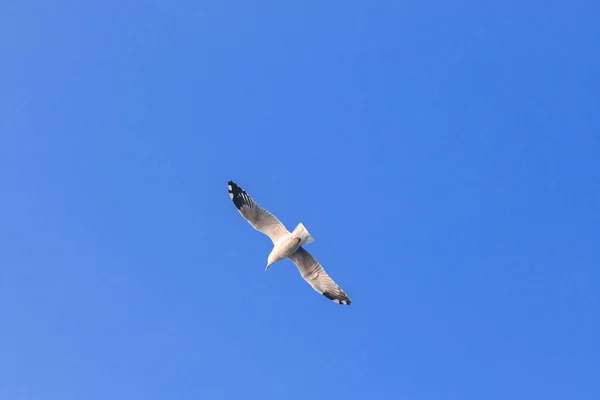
[444, 155]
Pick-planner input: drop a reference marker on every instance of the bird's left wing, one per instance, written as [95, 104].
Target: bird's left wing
[258, 217]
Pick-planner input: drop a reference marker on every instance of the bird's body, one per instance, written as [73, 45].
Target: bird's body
[287, 244]
[283, 249]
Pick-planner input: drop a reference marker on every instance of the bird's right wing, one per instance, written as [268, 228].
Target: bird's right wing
[315, 275]
[258, 217]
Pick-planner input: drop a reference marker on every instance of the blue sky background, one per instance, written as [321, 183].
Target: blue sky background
[444, 155]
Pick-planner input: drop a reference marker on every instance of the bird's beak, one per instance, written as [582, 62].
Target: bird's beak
[269, 263]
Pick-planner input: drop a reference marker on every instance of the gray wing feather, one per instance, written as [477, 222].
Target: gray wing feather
[315, 275]
[258, 217]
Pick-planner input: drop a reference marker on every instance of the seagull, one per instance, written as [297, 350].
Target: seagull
[287, 245]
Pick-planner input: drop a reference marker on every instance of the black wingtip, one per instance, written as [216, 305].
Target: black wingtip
[239, 197]
[338, 299]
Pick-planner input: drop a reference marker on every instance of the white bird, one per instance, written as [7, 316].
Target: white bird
[287, 245]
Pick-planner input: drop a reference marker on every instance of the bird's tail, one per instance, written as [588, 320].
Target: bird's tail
[301, 233]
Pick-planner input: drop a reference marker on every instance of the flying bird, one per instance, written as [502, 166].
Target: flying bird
[287, 245]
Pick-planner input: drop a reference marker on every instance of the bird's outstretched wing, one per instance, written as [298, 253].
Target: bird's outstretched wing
[258, 217]
[315, 275]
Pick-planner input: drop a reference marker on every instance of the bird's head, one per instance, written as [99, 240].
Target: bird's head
[270, 261]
